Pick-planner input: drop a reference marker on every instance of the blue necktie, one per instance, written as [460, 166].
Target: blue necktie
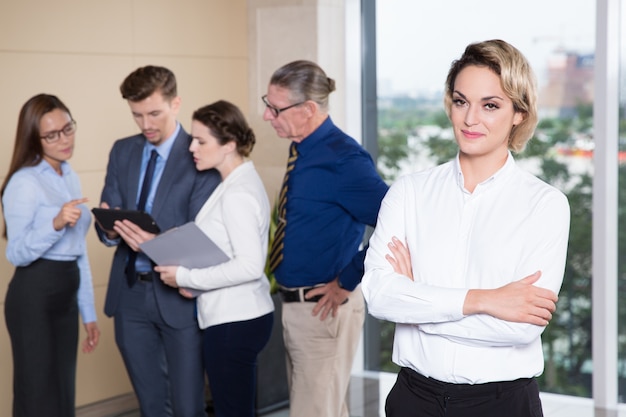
[147, 181]
[141, 206]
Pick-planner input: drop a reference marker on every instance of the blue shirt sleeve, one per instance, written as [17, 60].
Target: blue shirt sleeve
[29, 220]
[86, 304]
[361, 191]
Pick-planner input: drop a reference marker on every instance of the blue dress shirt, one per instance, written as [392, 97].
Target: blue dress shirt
[32, 199]
[333, 192]
[143, 263]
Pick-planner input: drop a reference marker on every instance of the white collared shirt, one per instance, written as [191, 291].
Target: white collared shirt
[511, 226]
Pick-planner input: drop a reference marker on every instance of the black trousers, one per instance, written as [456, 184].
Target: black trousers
[41, 313]
[414, 395]
[230, 361]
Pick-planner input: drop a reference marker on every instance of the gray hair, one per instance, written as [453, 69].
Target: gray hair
[305, 80]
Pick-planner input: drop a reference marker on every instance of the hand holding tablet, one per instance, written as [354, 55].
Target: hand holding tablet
[107, 217]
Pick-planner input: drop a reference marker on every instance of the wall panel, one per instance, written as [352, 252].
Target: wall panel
[81, 51]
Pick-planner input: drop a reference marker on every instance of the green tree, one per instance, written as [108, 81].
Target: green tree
[392, 150]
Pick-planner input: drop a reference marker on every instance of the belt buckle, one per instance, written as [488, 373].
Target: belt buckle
[298, 295]
[294, 295]
[304, 291]
[144, 276]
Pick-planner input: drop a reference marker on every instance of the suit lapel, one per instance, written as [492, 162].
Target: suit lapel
[134, 170]
[210, 203]
[180, 150]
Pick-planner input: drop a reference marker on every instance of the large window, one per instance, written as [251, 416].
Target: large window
[621, 275]
[416, 42]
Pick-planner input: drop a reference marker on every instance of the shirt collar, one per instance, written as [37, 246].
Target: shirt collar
[497, 178]
[44, 166]
[246, 166]
[315, 137]
[164, 148]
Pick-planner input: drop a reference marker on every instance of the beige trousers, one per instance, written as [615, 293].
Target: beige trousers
[320, 355]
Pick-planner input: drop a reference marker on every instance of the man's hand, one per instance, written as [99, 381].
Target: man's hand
[132, 234]
[111, 234]
[93, 336]
[333, 296]
[519, 301]
[168, 275]
[400, 258]
[68, 215]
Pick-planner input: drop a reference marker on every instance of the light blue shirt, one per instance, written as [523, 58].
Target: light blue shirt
[143, 262]
[32, 199]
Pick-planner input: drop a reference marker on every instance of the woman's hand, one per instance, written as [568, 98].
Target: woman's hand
[185, 293]
[519, 301]
[400, 258]
[168, 275]
[93, 336]
[69, 214]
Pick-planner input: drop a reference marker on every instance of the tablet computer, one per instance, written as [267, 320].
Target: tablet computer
[107, 217]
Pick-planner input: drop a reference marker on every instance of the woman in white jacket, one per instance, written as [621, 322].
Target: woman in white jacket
[235, 310]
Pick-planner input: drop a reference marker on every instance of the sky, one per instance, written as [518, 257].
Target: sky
[417, 40]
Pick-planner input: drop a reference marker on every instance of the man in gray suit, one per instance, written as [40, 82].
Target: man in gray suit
[155, 327]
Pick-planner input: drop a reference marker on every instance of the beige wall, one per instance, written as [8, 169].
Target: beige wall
[82, 50]
[280, 31]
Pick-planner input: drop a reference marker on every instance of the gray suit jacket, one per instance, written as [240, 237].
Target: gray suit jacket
[181, 193]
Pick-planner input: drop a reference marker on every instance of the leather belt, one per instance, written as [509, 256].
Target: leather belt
[144, 276]
[297, 295]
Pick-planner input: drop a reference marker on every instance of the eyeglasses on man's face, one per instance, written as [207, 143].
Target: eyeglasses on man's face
[275, 110]
[68, 130]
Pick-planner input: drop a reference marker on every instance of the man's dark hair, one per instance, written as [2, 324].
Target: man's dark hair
[145, 81]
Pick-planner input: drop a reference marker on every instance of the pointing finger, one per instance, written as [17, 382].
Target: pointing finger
[78, 201]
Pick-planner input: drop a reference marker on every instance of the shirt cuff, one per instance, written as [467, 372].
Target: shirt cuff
[88, 313]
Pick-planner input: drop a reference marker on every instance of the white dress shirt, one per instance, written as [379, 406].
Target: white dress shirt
[236, 217]
[511, 226]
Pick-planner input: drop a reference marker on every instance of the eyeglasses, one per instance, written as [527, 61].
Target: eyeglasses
[68, 130]
[275, 110]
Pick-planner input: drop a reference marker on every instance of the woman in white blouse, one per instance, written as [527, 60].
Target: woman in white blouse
[467, 257]
[235, 310]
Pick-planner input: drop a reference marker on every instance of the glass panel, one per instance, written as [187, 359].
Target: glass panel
[622, 215]
[416, 42]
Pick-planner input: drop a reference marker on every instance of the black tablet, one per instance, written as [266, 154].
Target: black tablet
[107, 217]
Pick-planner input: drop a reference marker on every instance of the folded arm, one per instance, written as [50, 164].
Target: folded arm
[510, 314]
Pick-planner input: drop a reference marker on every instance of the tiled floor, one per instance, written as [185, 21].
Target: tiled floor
[369, 390]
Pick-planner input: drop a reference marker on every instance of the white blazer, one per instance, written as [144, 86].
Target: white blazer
[236, 217]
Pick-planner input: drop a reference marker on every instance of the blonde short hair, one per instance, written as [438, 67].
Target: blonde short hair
[517, 79]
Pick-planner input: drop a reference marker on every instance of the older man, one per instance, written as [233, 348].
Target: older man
[330, 192]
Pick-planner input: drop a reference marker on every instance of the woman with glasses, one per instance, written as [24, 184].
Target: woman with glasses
[46, 221]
